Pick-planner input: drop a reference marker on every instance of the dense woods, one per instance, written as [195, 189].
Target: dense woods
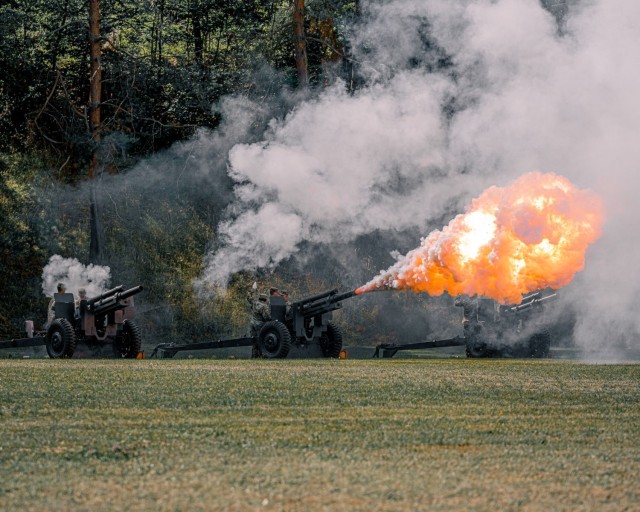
[161, 66]
[92, 89]
[117, 119]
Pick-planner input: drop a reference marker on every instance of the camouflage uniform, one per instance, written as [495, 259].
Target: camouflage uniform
[51, 313]
[285, 296]
[469, 313]
[260, 313]
[260, 309]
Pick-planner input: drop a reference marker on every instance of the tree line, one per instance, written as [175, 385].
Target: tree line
[90, 87]
[151, 70]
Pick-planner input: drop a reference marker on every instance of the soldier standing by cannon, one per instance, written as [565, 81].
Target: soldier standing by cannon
[260, 313]
[259, 304]
[82, 295]
[51, 310]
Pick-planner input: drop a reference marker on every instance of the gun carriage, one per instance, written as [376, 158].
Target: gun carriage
[104, 319]
[494, 330]
[288, 325]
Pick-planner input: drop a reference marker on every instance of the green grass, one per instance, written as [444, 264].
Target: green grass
[396, 435]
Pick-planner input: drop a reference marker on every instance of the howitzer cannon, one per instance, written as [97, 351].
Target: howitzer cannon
[303, 322]
[280, 325]
[494, 330]
[111, 300]
[104, 319]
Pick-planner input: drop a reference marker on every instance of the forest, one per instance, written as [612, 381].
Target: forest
[91, 90]
[126, 128]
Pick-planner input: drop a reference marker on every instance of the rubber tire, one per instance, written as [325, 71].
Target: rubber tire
[331, 341]
[476, 346]
[539, 344]
[61, 339]
[128, 341]
[274, 340]
[475, 351]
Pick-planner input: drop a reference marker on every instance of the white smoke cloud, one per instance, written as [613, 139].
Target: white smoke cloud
[93, 278]
[333, 170]
[527, 94]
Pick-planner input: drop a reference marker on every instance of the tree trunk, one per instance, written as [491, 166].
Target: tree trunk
[300, 42]
[198, 40]
[157, 29]
[55, 48]
[95, 81]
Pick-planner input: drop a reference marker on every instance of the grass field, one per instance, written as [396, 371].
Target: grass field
[396, 435]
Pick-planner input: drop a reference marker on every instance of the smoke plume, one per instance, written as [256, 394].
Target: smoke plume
[511, 241]
[74, 275]
[458, 96]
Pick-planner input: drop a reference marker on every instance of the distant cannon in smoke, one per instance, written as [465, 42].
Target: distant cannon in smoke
[494, 330]
[104, 319]
[303, 326]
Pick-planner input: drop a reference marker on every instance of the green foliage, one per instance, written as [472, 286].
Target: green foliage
[164, 66]
[21, 255]
[163, 247]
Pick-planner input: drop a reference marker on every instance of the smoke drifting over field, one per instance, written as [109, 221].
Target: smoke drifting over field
[461, 95]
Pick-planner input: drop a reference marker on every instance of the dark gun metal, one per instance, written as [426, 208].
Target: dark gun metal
[513, 330]
[111, 300]
[298, 323]
[104, 319]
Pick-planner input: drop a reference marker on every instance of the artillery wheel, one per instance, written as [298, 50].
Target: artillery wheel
[274, 340]
[539, 344]
[331, 341]
[476, 347]
[476, 350]
[61, 339]
[128, 342]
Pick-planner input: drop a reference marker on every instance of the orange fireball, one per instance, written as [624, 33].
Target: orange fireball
[530, 235]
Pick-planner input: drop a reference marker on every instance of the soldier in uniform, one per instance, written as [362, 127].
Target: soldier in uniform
[260, 313]
[469, 313]
[51, 311]
[82, 295]
[259, 302]
[285, 296]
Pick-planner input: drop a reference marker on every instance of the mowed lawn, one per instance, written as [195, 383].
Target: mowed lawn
[396, 435]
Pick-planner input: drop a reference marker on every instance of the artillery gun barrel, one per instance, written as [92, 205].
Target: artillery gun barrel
[343, 296]
[531, 303]
[128, 293]
[330, 304]
[113, 302]
[107, 307]
[105, 295]
[307, 302]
